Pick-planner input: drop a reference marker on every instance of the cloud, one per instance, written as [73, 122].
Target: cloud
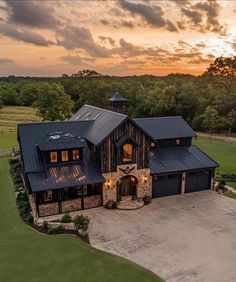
[74, 60]
[74, 37]
[105, 22]
[6, 61]
[24, 35]
[153, 15]
[31, 14]
[195, 16]
[108, 39]
[128, 24]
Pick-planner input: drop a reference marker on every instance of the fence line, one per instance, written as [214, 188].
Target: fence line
[2, 131]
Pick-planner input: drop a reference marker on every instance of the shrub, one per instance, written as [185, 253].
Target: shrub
[111, 204]
[82, 222]
[147, 199]
[66, 218]
[134, 198]
[222, 184]
[52, 230]
[60, 228]
[30, 219]
[119, 198]
[45, 225]
[21, 196]
[13, 161]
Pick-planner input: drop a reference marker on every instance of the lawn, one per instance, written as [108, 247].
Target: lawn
[9, 118]
[230, 195]
[223, 152]
[28, 256]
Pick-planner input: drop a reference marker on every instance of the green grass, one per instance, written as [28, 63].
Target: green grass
[223, 152]
[231, 184]
[230, 195]
[11, 116]
[27, 256]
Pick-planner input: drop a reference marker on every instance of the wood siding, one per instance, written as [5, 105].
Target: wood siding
[111, 156]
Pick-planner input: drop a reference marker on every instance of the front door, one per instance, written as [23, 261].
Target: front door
[126, 186]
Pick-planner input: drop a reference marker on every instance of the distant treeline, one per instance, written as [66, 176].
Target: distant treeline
[207, 102]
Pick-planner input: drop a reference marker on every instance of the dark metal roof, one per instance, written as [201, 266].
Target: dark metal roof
[31, 134]
[124, 139]
[117, 97]
[165, 127]
[174, 159]
[103, 122]
[61, 140]
[66, 176]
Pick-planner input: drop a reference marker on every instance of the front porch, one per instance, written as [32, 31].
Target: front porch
[127, 203]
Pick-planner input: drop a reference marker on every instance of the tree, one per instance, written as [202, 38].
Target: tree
[8, 94]
[52, 102]
[85, 73]
[211, 120]
[222, 66]
[230, 121]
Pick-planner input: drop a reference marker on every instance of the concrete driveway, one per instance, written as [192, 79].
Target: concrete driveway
[188, 237]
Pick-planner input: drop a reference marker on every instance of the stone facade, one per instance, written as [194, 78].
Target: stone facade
[48, 209]
[92, 202]
[71, 205]
[143, 176]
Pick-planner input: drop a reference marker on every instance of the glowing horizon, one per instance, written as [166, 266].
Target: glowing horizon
[126, 37]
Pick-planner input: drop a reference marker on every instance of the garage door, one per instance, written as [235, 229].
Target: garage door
[166, 185]
[198, 181]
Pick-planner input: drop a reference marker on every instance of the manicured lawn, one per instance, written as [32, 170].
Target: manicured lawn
[231, 184]
[231, 195]
[8, 140]
[222, 152]
[28, 256]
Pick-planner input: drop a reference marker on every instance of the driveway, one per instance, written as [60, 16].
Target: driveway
[188, 237]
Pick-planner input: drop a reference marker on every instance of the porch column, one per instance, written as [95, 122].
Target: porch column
[183, 182]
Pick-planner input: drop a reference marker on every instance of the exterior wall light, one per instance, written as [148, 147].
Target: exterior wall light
[108, 183]
[145, 178]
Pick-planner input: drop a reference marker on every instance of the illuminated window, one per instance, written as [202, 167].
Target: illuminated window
[53, 157]
[152, 144]
[177, 141]
[75, 155]
[47, 196]
[127, 153]
[64, 156]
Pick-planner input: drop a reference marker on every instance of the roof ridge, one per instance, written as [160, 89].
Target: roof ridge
[50, 122]
[158, 117]
[104, 110]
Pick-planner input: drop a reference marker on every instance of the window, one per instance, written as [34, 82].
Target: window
[85, 191]
[127, 153]
[53, 157]
[47, 196]
[79, 191]
[152, 144]
[177, 141]
[64, 156]
[75, 154]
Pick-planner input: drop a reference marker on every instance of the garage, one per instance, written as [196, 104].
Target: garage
[198, 181]
[166, 185]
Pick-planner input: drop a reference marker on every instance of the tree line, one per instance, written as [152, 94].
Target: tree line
[207, 102]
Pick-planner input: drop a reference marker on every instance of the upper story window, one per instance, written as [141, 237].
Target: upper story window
[75, 155]
[53, 157]
[177, 141]
[153, 144]
[127, 152]
[64, 156]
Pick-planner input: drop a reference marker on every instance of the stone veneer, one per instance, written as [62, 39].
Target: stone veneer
[48, 209]
[92, 201]
[143, 186]
[71, 205]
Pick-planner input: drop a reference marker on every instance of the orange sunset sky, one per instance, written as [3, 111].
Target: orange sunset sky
[48, 38]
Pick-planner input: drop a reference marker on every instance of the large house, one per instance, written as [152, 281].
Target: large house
[100, 155]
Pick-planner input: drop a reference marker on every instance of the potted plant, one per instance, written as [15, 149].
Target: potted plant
[81, 223]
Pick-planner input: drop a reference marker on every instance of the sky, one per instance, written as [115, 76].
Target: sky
[125, 37]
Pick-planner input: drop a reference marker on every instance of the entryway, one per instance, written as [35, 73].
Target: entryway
[127, 186]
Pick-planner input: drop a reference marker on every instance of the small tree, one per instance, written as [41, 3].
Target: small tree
[211, 120]
[230, 120]
[53, 103]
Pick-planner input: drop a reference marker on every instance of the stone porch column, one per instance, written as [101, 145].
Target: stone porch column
[183, 181]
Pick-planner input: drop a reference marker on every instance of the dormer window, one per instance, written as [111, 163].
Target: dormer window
[177, 141]
[153, 144]
[64, 156]
[75, 155]
[127, 152]
[53, 157]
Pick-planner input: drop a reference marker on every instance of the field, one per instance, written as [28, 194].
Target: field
[222, 152]
[28, 256]
[9, 118]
